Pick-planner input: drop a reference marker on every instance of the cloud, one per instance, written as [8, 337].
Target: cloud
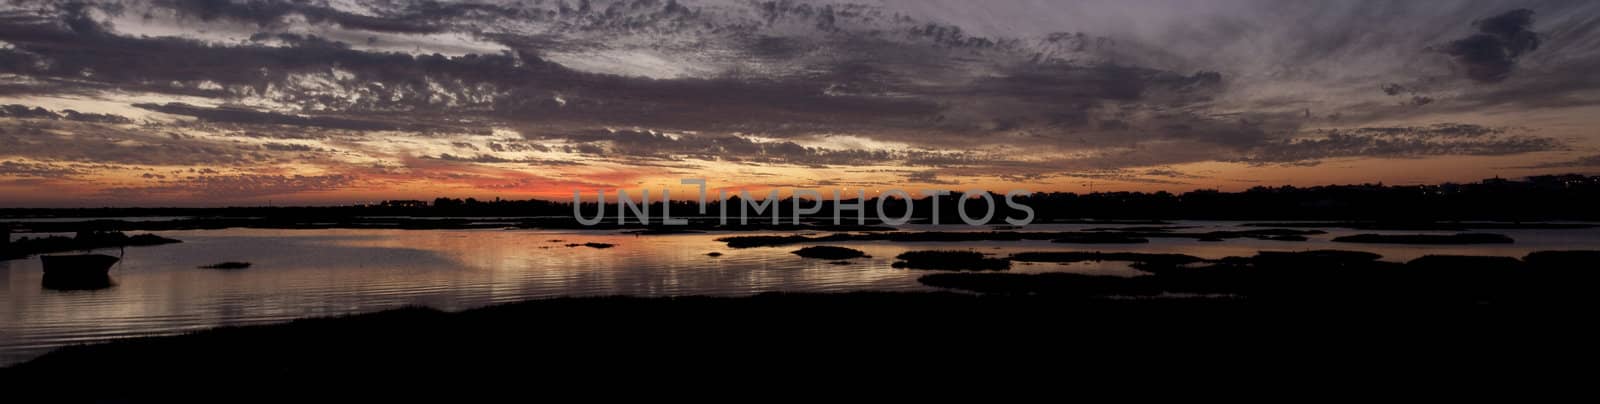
[422, 17]
[513, 146]
[26, 112]
[248, 116]
[631, 143]
[1490, 55]
[236, 186]
[492, 159]
[71, 141]
[288, 147]
[928, 177]
[1119, 175]
[1170, 173]
[856, 81]
[1032, 91]
[1585, 161]
[1400, 142]
[25, 169]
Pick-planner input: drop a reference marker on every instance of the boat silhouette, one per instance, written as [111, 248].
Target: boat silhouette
[78, 264]
[78, 272]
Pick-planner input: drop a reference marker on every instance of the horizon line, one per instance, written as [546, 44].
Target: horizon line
[711, 199]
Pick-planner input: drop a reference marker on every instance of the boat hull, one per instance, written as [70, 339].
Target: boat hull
[78, 265]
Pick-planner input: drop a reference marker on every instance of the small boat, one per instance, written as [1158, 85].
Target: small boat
[81, 265]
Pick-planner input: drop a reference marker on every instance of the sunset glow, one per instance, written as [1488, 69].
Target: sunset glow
[180, 103]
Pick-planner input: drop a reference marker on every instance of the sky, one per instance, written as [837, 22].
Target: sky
[317, 102]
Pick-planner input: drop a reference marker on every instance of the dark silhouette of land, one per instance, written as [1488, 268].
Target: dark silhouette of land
[1079, 256]
[829, 252]
[1072, 237]
[950, 260]
[1458, 238]
[647, 346]
[85, 240]
[1374, 206]
[1318, 277]
[1305, 309]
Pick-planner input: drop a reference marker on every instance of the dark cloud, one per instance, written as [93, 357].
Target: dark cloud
[929, 177]
[1394, 89]
[236, 186]
[241, 115]
[253, 117]
[1490, 55]
[1121, 175]
[1401, 142]
[492, 159]
[909, 84]
[648, 144]
[1441, 130]
[1415, 100]
[261, 132]
[758, 82]
[481, 158]
[1169, 173]
[1236, 133]
[268, 13]
[517, 147]
[1585, 161]
[297, 40]
[517, 85]
[49, 48]
[289, 147]
[25, 112]
[943, 159]
[25, 169]
[99, 143]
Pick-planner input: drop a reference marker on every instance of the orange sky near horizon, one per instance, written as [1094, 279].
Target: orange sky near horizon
[111, 103]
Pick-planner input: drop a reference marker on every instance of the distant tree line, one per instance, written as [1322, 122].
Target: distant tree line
[1547, 197]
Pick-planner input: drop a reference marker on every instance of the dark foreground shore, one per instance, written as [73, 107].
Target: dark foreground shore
[671, 346]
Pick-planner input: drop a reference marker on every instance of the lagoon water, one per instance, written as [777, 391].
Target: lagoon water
[307, 273]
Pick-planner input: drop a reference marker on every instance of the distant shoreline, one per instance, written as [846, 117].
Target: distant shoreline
[68, 224]
[1535, 198]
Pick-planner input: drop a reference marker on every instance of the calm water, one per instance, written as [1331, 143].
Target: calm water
[305, 273]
